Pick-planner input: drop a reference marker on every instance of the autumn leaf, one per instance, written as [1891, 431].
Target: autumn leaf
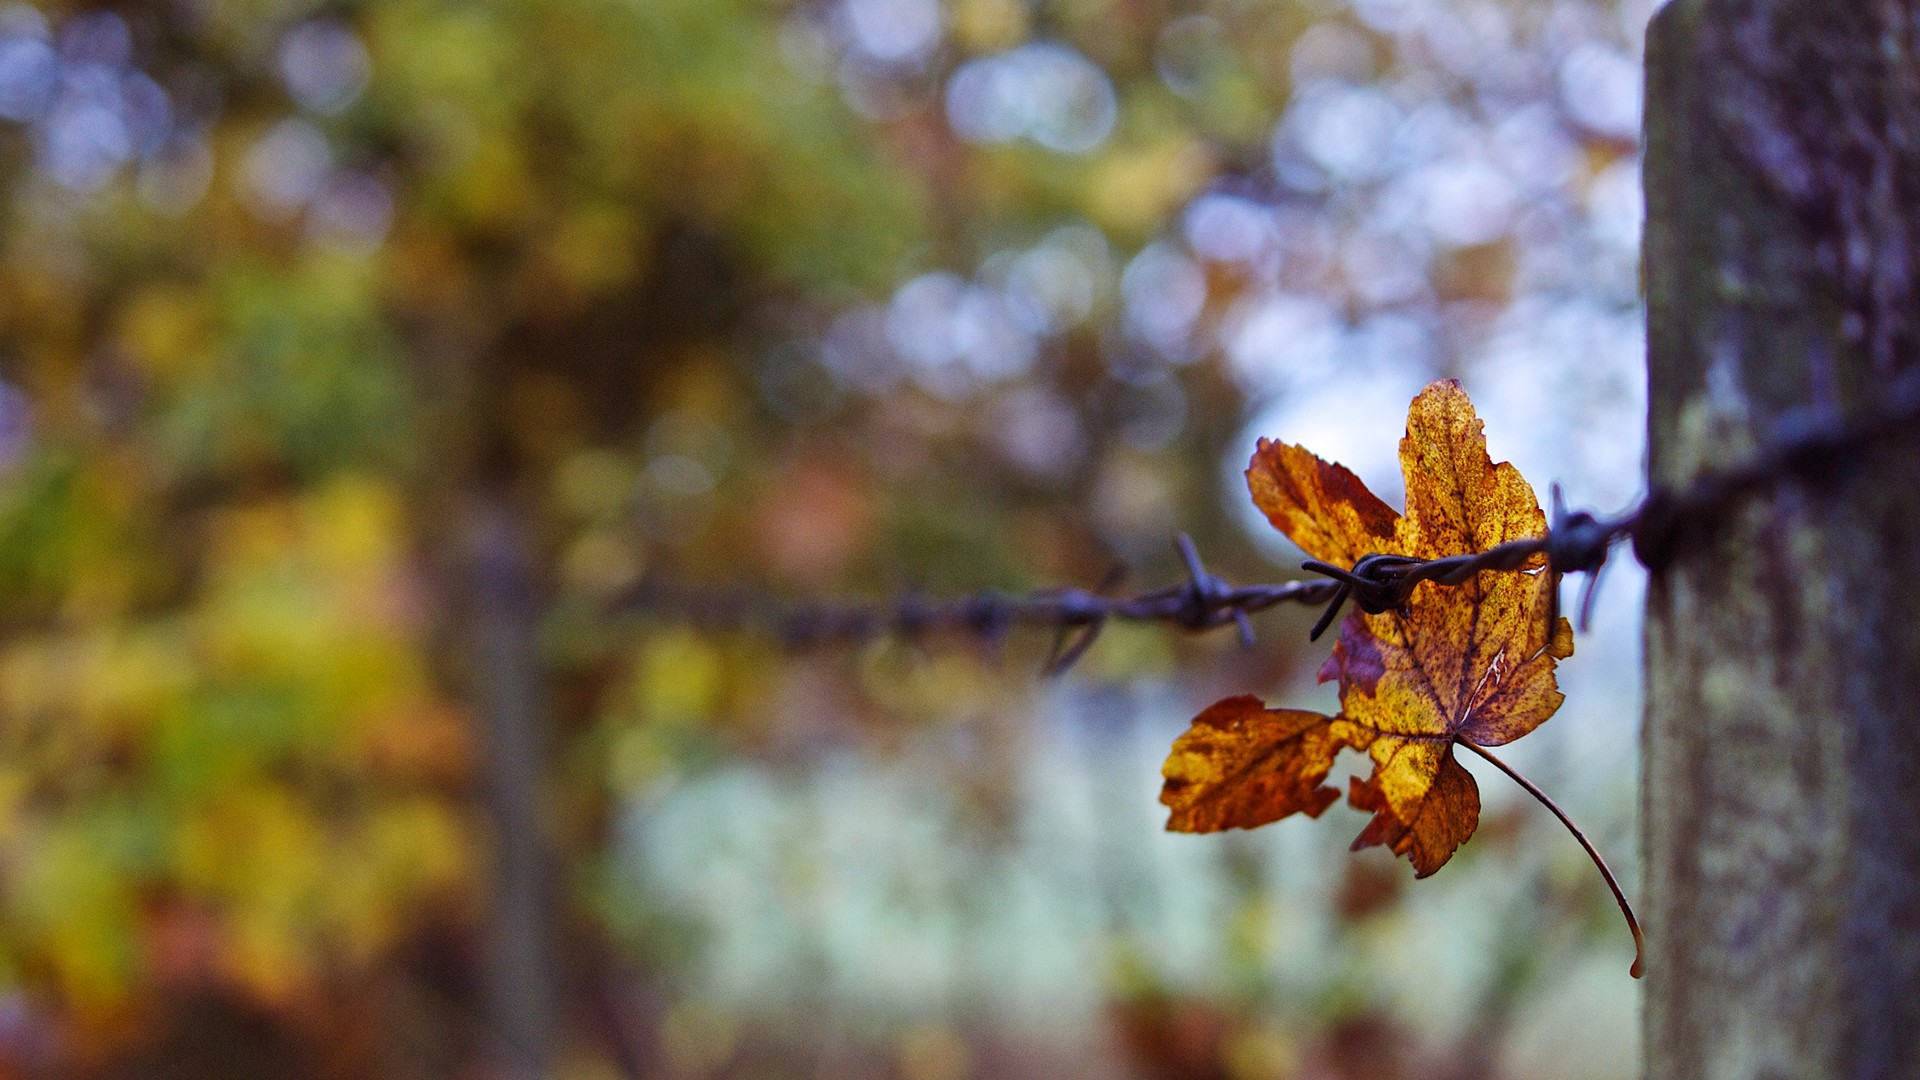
[1444, 820]
[1242, 764]
[1470, 662]
[1467, 663]
[1319, 505]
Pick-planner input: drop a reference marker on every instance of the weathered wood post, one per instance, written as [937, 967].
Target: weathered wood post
[1782, 738]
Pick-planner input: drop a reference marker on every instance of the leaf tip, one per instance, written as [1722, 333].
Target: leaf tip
[1560, 646]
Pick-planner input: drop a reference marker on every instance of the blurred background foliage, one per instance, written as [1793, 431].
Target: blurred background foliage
[358, 359]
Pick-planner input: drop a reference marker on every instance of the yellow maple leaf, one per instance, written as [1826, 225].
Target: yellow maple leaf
[1472, 662]
[1469, 662]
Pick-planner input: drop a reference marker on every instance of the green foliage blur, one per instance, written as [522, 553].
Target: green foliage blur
[359, 360]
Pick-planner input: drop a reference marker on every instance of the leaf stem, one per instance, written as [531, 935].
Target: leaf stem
[1633, 924]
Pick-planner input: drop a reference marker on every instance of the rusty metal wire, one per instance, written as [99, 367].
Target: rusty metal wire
[1811, 444]
[1806, 446]
[1576, 542]
[1204, 601]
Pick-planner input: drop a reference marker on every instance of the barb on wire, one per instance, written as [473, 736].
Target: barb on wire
[1804, 446]
[1576, 542]
[1204, 601]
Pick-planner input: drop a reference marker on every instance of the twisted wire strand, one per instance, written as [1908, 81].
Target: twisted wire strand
[1204, 601]
[1806, 445]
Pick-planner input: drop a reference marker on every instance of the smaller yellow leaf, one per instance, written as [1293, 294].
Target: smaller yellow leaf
[1443, 820]
[1319, 505]
[1242, 764]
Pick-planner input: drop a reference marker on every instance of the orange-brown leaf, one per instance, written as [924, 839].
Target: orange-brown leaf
[1473, 661]
[1458, 500]
[1242, 764]
[1436, 826]
[1469, 662]
[1320, 506]
[1426, 671]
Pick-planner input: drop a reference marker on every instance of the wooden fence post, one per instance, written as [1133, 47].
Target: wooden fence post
[1782, 735]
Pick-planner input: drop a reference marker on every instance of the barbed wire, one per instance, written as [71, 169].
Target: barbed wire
[1807, 444]
[1203, 602]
